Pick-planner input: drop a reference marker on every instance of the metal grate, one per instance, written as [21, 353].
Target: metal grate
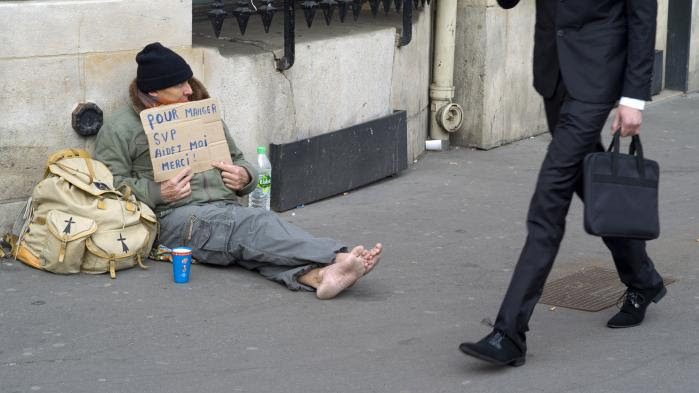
[591, 289]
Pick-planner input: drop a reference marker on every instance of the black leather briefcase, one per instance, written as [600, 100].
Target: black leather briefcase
[621, 193]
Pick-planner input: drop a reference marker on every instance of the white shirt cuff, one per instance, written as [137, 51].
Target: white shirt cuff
[632, 103]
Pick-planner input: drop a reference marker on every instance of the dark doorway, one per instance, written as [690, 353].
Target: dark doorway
[679, 28]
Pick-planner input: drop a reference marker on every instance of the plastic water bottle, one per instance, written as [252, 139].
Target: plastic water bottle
[260, 197]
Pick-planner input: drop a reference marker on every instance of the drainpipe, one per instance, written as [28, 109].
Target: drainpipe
[445, 115]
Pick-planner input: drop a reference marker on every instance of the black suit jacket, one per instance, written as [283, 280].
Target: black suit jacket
[604, 49]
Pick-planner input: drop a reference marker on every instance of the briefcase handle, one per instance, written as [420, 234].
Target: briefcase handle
[635, 149]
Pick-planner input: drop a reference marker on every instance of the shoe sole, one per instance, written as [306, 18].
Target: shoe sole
[656, 299]
[622, 326]
[514, 363]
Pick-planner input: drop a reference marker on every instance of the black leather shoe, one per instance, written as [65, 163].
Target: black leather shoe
[495, 348]
[633, 310]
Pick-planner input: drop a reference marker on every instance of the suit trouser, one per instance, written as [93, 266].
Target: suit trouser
[575, 129]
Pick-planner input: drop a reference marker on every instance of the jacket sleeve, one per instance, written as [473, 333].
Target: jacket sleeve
[641, 20]
[239, 159]
[507, 4]
[114, 150]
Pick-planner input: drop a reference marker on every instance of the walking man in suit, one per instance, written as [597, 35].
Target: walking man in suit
[587, 55]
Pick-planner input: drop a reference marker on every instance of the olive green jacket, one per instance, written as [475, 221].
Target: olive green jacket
[122, 146]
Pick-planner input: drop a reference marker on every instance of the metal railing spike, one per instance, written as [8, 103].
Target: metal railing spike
[342, 6]
[217, 15]
[268, 8]
[386, 6]
[267, 13]
[328, 7]
[309, 11]
[242, 15]
[357, 8]
[374, 4]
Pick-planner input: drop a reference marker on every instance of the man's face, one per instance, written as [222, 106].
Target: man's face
[174, 94]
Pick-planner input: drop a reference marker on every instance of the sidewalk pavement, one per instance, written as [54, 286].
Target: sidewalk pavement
[452, 226]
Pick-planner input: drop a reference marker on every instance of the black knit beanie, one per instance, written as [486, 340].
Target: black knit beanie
[160, 68]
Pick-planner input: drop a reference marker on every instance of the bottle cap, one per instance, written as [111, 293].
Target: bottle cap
[260, 150]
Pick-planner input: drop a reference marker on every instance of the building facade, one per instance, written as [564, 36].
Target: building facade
[57, 54]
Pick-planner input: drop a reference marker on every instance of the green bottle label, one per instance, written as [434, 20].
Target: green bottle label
[265, 183]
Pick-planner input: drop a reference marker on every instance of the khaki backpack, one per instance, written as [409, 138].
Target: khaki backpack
[76, 221]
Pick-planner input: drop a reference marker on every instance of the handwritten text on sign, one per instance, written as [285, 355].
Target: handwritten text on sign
[185, 135]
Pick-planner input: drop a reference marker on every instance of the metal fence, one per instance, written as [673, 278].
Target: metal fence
[244, 11]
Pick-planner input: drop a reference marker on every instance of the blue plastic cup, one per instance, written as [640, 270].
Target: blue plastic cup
[181, 263]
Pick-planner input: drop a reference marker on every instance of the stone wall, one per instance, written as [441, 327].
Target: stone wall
[493, 74]
[661, 33]
[60, 53]
[342, 76]
[57, 55]
[693, 83]
[411, 81]
[321, 93]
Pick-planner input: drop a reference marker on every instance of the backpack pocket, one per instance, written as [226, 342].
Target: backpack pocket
[65, 242]
[116, 249]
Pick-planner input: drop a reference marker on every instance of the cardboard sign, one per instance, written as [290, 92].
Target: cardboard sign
[185, 135]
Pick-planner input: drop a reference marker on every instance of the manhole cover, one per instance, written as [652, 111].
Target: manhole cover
[591, 289]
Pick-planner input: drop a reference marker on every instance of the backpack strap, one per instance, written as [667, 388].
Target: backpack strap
[126, 192]
[90, 168]
[62, 251]
[112, 267]
[140, 262]
[70, 153]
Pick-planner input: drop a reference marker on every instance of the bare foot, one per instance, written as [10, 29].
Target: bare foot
[346, 270]
[371, 258]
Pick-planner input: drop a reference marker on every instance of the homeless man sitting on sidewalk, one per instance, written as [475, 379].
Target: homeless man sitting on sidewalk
[199, 210]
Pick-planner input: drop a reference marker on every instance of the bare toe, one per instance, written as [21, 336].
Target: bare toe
[374, 257]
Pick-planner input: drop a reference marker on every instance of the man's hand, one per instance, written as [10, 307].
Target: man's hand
[177, 187]
[629, 119]
[235, 177]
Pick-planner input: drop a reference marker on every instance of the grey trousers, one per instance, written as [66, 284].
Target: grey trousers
[222, 233]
